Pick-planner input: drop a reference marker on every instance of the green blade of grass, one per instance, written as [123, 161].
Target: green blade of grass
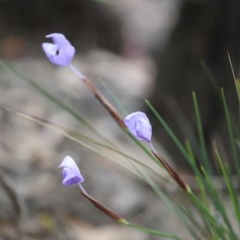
[204, 185]
[180, 146]
[232, 192]
[237, 84]
[198, 174]
[51, 98]
[114, 99]
[210, 76]
[199, 205]
[155, 232]
[203, 149]
[204, 227]
[234, 76]
[231, 134]
[84, 140]
[211, 221]
[218, 203]
[184, 219]
[186, 128]
[168, 130]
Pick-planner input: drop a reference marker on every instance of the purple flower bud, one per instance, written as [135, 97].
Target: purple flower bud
[61, 51]
[70, 172]
[139, 126]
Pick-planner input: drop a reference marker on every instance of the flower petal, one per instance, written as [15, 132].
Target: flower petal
[71, 173]
[58, 39]
[61, 51]
[138, 124]
[49, 48]
[68, 162]
[71, 178]
[144, 130]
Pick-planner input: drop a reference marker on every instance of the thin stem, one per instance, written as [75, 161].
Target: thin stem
[77, 72]
[171, 171]
[82, 188]
[100, 97]
[105, 209]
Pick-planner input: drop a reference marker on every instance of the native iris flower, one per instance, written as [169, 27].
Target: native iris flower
[139, 126]
[61, 51]
[71, 173]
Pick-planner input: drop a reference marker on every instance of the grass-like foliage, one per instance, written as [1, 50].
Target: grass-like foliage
[204, 212]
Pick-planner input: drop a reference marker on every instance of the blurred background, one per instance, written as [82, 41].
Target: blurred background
[161, 50]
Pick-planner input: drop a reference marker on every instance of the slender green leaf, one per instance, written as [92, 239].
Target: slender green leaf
[234, 76]
[171, 205]
[155, 232]
[86, 141]
[168, 130]
[220, 208]
[114, 99]
[228, 180]
[51, 98]
[204, 154]
[210, 77]
[231, 134]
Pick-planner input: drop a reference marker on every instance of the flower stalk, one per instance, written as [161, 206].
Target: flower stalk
[100, 97]
[72, 176]
[171, 171]
[106, 210]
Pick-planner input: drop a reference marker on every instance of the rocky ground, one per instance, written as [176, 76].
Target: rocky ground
[33, 203]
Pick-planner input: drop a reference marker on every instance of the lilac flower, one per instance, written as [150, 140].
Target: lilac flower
[70, 172]
[139, 126]
[61, 51]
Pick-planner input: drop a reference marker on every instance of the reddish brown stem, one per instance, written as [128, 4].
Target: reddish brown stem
[103, 100]
[172, 172]
[104, 209]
